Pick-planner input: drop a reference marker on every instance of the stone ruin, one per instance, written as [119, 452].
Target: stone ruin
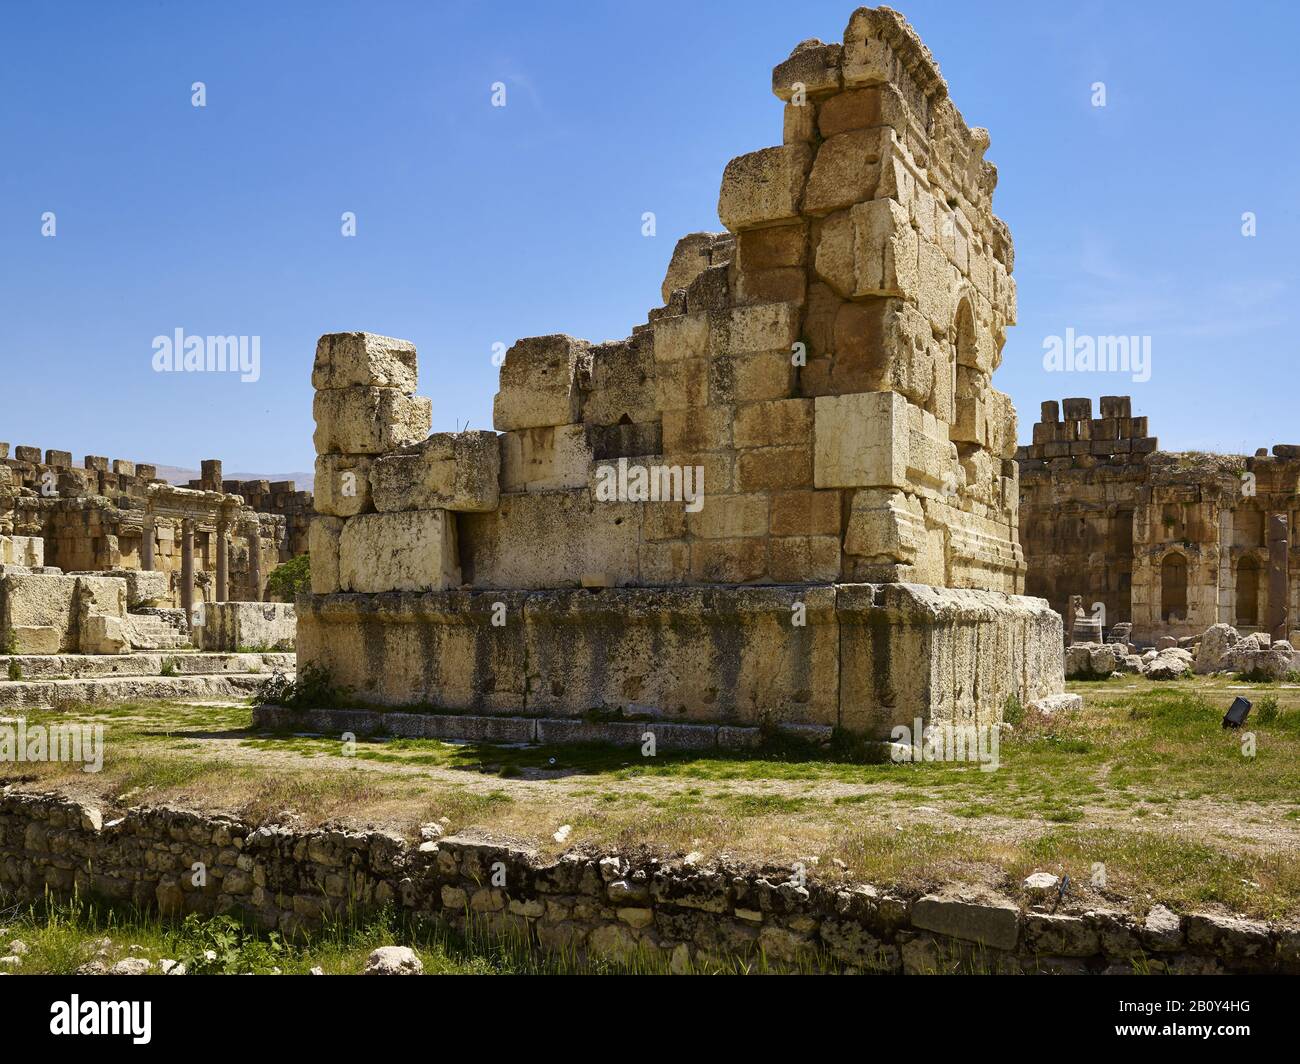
[107, 558]
[1169, 543]
[788, 500]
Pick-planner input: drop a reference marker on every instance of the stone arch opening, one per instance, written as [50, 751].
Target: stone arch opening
[1173, 588]
[1248, 592]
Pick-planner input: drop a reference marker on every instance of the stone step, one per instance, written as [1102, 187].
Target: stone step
[108, 690]
[183, 663]
[466, 727]
[148, 632]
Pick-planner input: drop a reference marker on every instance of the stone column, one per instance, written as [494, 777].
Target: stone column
[1227, 611]
[187, 569]
[223, 562]
[1279, 542]
[146, 543]
[255, 561]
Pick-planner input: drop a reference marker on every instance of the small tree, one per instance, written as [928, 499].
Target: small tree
[287, 580]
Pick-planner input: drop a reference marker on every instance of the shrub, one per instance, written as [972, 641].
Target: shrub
[311, 689]
[1013, 712]
[223, 946]
[15, 671]
[168, 667]
[287, 581]
[1266, 710]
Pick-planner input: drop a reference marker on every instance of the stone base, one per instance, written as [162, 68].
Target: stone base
[861, 657]
[230, 626]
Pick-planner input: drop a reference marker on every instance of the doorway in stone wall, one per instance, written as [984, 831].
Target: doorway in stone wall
[1173, 588]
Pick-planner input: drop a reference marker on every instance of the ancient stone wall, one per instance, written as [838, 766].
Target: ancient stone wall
[679, 915]
[1171, 542]
[118, 515]
[811, 411]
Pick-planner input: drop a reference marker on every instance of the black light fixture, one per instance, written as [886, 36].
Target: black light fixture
[1237, 713]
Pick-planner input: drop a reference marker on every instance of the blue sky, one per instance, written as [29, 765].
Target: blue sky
[478, 225]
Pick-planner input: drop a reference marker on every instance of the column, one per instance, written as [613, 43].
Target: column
[1279, 542]
[146, 543]
[223, 562]
[187, 569]
[255, 561]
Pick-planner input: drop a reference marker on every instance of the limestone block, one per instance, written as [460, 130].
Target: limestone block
[39, 601]
[450, 471]
[550, 539]
[846, 171]
[799, 123]
[101, 634]
[545, 459]
[230, 626]
[764, 187]
[622, 382]
[885, 527]
[37, 639]
[364, 360]
[861, 440]
[943, 655]
[323, 537]
[450, 649]
[681, 337]
[369, 421]
[813, 67]
[27, 551]
[409, 551]
[772, 424]
[869, 249]
[764, 327]
[540, 383]
[690, 259]
[689, 653]
[145, 589]
[342, 485]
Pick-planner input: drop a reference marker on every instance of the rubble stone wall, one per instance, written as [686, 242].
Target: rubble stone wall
[671, 913]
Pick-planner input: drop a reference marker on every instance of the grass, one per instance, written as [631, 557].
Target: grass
[62, 937]
[1144, 780]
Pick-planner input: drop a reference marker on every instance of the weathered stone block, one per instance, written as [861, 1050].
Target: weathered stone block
[364, 360]
[764, 187]
[860, 440]
[409, 551]
[539, 383]
[450, 471]
[546, 459]
[323, 545]
[368, 421]
[342, 486]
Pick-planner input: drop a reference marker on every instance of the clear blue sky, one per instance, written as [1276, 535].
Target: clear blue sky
[479, 225]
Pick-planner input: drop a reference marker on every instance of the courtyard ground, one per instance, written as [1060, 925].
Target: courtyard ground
[1143, 783]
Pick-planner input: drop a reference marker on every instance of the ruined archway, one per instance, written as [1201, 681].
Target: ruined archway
[1248, 592]
[1173, 588]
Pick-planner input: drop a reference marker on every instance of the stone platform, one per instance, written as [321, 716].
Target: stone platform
[860, 657]
[54, 681]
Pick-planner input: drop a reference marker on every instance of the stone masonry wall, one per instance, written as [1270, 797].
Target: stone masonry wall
[1172, 542]
[679, 914]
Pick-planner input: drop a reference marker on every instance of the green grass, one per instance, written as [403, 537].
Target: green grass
[64, 936]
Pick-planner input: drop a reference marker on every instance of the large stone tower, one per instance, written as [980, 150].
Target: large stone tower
[788, 499]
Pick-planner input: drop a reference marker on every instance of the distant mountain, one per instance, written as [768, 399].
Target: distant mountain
[181, 476]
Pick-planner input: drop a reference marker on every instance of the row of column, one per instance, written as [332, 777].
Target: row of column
[223, 561]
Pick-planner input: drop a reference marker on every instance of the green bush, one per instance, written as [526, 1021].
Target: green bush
[223, 946]
[312, 689]
[15, 671]
[1266, 710]
[287, 581]
[1013, 712]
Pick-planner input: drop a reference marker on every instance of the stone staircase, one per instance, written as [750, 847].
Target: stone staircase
[150, 631]
[66, 681]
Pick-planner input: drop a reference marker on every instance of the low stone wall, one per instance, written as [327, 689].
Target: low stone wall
[863, 657]
[231, 626]
[676, 914]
